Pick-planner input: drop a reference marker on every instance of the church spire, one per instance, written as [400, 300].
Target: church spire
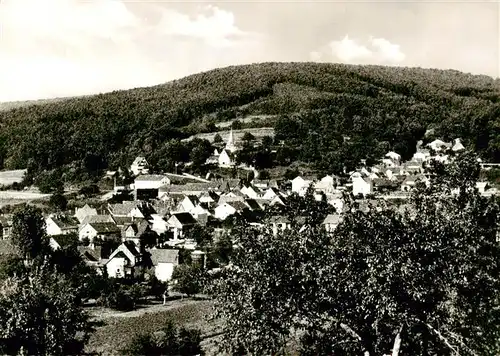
[230, 142]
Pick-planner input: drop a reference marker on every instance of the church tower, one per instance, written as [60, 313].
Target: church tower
[230, 146]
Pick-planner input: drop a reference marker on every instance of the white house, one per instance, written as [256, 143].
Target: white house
[363, 186]
[458, 146]
[331, 222]
[149, 185]
[250, 192]
[222, 211]
[300, 185]
[151, 181]
[124, 261]
[140, 166]
[61, 225]
[271, 193]
[158, 224]
[187, 204]
[279, 223]
[164, 261]
[179, 223]
[439, 145]
[393, 156]
[104, 230]
[82, 213]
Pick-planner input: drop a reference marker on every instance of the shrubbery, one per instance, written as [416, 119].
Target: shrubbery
[170, 340]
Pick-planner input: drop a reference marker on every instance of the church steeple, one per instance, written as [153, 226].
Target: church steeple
[230, 142]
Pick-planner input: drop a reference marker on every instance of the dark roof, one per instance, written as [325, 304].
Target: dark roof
[185, 218]
[279, 219]
[238, 205]
[91, 255]
[66, 240]
[65, 222]
[252, 203]
[122, 220]
[131, 247]
[105, 227]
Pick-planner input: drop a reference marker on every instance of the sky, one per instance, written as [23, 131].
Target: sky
[57, 48]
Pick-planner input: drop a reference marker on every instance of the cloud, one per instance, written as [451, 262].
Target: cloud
[70, 47]
[376, 51]
[217, 28]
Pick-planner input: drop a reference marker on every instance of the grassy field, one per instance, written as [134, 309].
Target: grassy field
[238, 134]
[120, 327]
[10, 177]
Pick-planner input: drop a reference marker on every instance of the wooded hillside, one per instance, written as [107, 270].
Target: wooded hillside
[379, 108]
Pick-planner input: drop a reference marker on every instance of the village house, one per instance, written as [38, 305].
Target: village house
[222, 211]
[125, 261]
[279, 223]
[164, 261]
[251, 192]
[133, 232]
[92, 231]
[331, 222]
[139, 166]
[457, 145]
[179, 223]
[148, 186]
[61, 225]
[188, 204]
[57, 242]
[300, 185]
[361, 186]
[5, 227]
[271, 193]
[82, 213]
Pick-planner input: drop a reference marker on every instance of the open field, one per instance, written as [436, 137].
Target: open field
[238, 134]
[11, 177]
[227, 124]
[120, 327]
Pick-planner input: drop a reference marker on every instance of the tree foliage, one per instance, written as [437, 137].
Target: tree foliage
[28, 232]
[41, 315]
[427, 275]
[169, 341]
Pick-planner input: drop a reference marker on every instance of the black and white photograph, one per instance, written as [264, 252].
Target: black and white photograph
[250, 177]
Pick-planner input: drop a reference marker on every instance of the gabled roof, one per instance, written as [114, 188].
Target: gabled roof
[164, 255]
[89, 254]
[123, 208]
[139, 159]
[185, 218]
[238, 205]
[65, 222]
[252, 203]
[105, 227]
[65, 240]
[122, 220]
[96, 219]
[332, 219]
[150, 178]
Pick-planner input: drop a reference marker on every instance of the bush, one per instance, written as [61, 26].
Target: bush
[170, 340]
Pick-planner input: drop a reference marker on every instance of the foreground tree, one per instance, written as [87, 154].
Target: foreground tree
[40, 315]
[28, 232]
[422, 281]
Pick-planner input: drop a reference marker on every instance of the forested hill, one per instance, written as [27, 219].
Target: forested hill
[379, 108]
